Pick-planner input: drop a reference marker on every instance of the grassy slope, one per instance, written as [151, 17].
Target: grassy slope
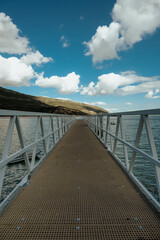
[13, 100]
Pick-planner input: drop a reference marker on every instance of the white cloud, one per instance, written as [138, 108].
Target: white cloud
[35, 58]
[101, 104]
[10, 40]
[13, 72]
[128, 103]
[12, 43]
[136, 18]
[68, 99]
[65, 41]
[122, 84]
[105, 43]
[132, 20]
[153, 94]
[65, 85]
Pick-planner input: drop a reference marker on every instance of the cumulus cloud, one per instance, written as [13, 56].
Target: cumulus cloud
[65, 85]
[136, 18]
[105, 43]
[123, 84]
[153, 94]
[13, 72]
[132, 20]
[10, 40]
[35, 58]
[65, 41]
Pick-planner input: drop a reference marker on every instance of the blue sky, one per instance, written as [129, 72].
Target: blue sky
[100, 52]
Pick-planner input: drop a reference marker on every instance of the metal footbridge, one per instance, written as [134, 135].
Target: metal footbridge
[80, 188]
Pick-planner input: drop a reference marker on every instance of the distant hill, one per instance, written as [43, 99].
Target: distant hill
[12, 100]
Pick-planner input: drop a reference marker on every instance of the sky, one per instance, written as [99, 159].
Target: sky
[105, 53]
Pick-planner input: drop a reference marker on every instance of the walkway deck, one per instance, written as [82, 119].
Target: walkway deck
[79, 193]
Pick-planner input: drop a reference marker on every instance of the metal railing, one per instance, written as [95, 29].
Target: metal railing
[58, 125]
[111, 129]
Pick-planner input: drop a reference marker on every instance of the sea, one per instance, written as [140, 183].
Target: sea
[143, 169]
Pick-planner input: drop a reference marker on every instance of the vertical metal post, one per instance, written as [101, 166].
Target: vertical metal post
[6, 149]
[137, 140]
[95, 127]
[64, 125]
[101, 127]
[107, 127]
[63, 131]
[42, 131]
[116, 134]
[35, 148]
[58, 128]
[152, 149]
[98, 120]
[124, 146]
[53, 130]
[49, 130]
[61, 127]
[22, 143]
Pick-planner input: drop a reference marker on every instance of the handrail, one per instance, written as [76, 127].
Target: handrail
[58, 125]
[139, 112]
[101, 126]
[25, 113]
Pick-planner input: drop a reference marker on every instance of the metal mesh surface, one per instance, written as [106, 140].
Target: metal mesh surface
[79, 193]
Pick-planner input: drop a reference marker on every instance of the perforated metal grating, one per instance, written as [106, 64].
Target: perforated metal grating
[79, 193]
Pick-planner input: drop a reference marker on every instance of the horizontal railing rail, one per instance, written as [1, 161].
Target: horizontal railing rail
[110, 128]
[47, 134]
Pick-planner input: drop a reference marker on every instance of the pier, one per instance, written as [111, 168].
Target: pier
[80, 190]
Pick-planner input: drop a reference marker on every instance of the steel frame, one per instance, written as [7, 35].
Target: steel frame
[63, 123]
[93, 123]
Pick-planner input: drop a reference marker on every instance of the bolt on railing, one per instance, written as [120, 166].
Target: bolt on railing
[58, 125]
[111, 131]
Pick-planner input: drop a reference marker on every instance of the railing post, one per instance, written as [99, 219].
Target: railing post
[101, 127]
[49, 130]
[124, 146]
[22, 143]
[152, 149]
[6, 149]
[42, 131]
[137, 140]
[36, 138]
[116, 134]
[98, 120]
[107, 127]
[58, 128]
[53, 130]
[95, 124]
[63, 126]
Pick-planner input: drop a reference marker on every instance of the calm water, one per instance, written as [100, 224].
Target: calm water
[143, 169]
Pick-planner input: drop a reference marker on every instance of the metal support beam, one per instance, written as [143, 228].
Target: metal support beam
[152, 149]
[137, 140]
[5, 153]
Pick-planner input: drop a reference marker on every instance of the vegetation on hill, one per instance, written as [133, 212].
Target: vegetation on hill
[12, 100]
